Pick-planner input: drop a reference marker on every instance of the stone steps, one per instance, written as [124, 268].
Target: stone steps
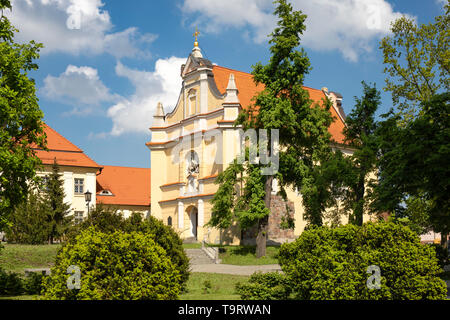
[198, 256]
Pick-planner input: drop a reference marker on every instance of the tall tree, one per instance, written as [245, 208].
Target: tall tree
[417, 60]
[21, 125]
[304, 139]
[415, 162]
[360, 134]
[58, 218]
[29, 224]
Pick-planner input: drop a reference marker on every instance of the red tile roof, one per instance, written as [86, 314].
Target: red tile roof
[129, 186]
[247, 89]
[65, 152]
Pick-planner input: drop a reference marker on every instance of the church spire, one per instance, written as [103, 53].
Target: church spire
[196, 52]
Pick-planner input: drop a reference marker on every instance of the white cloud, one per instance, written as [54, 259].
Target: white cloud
[75, 27]
[348, 26]
[135, 114]
[78, 86]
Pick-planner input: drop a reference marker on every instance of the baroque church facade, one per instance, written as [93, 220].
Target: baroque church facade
[194, 142]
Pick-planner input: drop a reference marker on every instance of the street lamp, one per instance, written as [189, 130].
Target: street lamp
[87, 198]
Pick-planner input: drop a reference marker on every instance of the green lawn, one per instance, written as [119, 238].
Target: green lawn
[17, 257]
[245, 255]
[222, 286]
[192, 245]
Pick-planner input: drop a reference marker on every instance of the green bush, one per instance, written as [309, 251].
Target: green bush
[265, 286]
[118, 265]
[442, 254]
[33, 283]
[108, 220]
[325, 263]
[10, 284]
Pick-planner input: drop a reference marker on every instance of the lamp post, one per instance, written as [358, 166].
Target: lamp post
[87, 198]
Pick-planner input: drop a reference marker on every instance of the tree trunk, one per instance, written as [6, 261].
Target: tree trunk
[261, 238]
[444, 240]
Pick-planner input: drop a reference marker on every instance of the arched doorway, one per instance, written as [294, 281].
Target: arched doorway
[193, 217]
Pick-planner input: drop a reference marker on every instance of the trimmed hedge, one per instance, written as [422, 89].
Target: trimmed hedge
[114, 266]
[264, 286]
[325, 263]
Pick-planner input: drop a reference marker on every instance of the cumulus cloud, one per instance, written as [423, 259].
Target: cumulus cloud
[78, 86]
[135, 114]
[348, 26]
[75, 27]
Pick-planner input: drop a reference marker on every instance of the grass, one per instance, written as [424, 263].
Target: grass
[222, 286]
[245, 255]
[18, 257]
[192, 245]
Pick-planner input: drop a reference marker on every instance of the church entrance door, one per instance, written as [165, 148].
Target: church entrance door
[194, 222]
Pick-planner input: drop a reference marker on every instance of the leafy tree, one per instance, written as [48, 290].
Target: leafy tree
[360, 134]
[58, 218]
[417, 60]
[303, 133]
[29, 223]
[415, 162]
[21, 126]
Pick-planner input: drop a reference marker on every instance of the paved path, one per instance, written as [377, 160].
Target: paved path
[233, 269]
[200, 262]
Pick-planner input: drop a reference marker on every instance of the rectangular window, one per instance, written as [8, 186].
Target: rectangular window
[78, 217]
[79, 186]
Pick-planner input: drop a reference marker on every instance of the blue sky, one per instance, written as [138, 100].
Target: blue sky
[106, 63]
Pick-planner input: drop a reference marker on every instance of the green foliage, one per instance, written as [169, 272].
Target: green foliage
[114, 266]
[304, 139]
[10, 283]
[33, 283]
[207, 286]
[109, 220]
[414, 162]
[58, 220]
[21, 124]
[44, 215]
[325, 263]
[442, 254]
[417, 60]
[265, 286]
[28, 222]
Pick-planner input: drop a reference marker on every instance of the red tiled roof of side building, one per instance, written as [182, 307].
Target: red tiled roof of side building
[129, 186]
[247, 89]
[65, 152]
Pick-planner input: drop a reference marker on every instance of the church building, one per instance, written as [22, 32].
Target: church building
[194, 142]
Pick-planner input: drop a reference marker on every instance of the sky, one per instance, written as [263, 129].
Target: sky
[107, 63]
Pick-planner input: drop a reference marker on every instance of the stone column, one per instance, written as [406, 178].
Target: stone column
[180, 216]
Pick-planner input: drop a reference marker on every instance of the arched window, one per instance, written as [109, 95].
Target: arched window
[169, 221]
[192, 102]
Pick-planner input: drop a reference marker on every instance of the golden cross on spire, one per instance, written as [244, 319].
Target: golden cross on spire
[196, 33]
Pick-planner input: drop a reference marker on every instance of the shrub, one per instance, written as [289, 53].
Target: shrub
[118, 265]
[33, 283]
[264, 286]
[442, 254]
[326, 263]
[29, 223]
[10, 283]
[108, 220]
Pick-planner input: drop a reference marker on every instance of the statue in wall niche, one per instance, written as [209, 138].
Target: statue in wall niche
[193, 169]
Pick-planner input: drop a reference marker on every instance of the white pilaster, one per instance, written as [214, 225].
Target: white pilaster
[180, 215]
[201, 213]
